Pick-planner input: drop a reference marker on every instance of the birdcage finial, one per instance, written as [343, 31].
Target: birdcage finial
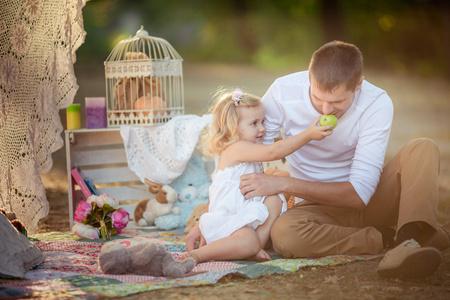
[141, 32]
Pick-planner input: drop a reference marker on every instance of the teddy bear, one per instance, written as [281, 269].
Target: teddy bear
[148, 210]
[15, 222]
[195, 216]
[142, 257]
[130, 92]
[193, 188]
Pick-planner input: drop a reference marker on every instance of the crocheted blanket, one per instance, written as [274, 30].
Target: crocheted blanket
[71, 271]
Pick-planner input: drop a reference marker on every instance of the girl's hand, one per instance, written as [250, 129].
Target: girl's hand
[317, 132]
[194, 236]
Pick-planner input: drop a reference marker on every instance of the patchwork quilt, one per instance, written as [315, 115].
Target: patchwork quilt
[70, 270]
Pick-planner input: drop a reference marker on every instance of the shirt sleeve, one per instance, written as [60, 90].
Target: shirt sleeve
[274, 113]
[367, 165]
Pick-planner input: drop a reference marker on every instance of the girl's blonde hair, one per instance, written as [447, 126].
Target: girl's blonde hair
[223, 131]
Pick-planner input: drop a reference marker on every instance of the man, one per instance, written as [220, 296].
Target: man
[348, 203]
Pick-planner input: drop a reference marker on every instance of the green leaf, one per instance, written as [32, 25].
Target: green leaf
[107, 209]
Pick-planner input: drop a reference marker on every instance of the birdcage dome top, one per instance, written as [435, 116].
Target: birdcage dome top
[143, 55]
[143, 46]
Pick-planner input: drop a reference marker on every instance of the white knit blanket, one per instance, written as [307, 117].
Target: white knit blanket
[161, 153]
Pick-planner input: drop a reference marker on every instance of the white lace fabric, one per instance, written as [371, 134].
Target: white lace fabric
[161, 153]
[38, 41]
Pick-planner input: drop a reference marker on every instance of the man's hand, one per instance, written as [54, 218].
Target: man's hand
[194, 237]
[258, 184]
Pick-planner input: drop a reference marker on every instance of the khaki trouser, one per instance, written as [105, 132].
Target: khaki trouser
[407, 192]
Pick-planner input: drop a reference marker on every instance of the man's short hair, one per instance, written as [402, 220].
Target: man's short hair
[336, 63]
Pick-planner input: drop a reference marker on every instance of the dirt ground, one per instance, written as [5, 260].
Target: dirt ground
[422, 109]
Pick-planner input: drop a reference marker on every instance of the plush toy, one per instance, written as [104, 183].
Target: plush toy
[195, 216]
[15, 222]
[289, 199]
[128, 90]
[143, 257]
[147, 103]
[148, 210]
[193, 188]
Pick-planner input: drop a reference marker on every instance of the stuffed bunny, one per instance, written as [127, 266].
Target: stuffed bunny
[148, 210]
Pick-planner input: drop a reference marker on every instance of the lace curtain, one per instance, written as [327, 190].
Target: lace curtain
[38, 40]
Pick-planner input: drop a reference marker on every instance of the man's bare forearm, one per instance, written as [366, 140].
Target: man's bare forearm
[340, 194]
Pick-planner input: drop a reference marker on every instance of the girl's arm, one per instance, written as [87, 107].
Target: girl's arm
[247, 151]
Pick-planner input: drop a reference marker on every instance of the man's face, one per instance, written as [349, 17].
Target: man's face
[331, 103]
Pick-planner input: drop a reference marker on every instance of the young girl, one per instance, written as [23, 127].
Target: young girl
[235, 228]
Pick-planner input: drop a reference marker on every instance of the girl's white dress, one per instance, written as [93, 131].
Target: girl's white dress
[228, 210]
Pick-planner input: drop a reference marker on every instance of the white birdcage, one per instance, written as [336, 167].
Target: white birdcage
[144, 81]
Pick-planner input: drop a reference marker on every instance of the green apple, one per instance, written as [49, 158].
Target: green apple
[326, 120]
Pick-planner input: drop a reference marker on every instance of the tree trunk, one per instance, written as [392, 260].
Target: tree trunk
[332, 20]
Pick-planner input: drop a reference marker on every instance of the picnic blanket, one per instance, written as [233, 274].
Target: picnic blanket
[70, 269]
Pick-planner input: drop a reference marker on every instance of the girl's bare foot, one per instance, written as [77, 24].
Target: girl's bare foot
[261, 256]
[191, 254]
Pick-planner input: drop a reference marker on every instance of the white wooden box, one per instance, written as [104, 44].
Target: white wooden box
[101, 157]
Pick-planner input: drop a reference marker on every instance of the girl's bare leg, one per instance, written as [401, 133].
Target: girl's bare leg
[242, 244]
[274, 204]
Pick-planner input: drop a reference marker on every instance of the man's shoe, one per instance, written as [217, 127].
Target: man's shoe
[408, 260]
[440, 240]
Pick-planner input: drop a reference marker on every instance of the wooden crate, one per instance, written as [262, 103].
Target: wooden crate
[101, 157]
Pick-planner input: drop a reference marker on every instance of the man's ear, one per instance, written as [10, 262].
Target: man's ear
[358, 86]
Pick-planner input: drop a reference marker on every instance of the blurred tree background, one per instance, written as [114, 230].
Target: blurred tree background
[405, 36]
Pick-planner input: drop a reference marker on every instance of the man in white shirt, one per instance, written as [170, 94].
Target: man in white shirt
[347, 202]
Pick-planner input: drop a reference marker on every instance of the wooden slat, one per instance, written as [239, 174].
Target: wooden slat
[110, 175]
[98, 157]
[70, 190]
[95, 138]
[130, 209]
[124, 193]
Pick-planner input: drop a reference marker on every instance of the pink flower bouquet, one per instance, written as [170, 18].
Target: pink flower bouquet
[99, 216]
